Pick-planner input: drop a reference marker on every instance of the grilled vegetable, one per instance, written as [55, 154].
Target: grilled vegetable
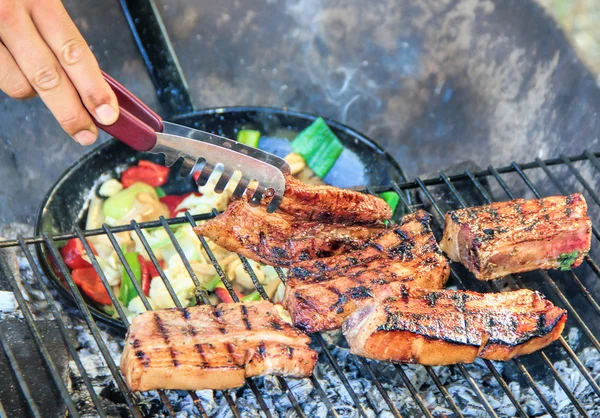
[89, 282]
[213, 347]
[249, 137]
[120, 204]
[521, 235]
[391, 198]
[145, 172]
[412, 325]
[173, 201]
[319, 147]
[73, 252]
[128, 291]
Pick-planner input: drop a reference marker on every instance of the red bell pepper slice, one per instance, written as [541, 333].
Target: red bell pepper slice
[72, 253]
[224, 295]
[89, 282]
[172, 201]
[145, 172]
[148, 272]
[145, 270]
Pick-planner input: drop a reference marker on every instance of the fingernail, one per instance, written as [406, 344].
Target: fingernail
[105, 114]
[85, 137]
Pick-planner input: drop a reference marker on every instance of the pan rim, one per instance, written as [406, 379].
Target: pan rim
[42, 253]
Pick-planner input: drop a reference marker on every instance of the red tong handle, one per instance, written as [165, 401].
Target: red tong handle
[137, 124]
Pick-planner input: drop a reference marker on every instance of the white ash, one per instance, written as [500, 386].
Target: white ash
[277, 400]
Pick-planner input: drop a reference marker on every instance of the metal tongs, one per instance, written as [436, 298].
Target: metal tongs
[143, 130]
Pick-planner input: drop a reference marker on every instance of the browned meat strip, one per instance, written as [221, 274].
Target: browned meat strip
[279, 239]
[213, 347]
[320, 294]
[521, 235]
[449, 326]
[331, 204]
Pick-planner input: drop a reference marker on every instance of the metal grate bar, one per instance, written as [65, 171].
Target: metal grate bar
[406, 202]
[263, 294]
[206, 301]
[556, 290]
[399, 368]
[62, 327]
[579, 177]
[470, 380]
[561, 188]
[38, 340]
[489, 365]
[561, 340]
[332, 361]
[92, 325]
[16, 369]
[122, 316]
[494, 288]
[101, 231]
[412, 391]
[547, 277]
[235, 298]
[530, 380]
[148, 307]
[483, 173]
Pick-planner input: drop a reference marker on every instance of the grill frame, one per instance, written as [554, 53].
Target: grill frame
[405, 191]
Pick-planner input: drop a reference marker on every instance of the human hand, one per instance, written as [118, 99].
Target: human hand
[42, 52]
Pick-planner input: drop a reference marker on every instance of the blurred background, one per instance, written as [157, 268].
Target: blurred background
[435, 83]
[581, 20]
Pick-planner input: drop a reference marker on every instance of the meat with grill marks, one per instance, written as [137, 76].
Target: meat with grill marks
[213, 347]
[323, 203]
[517, 236]
[280, 239]
[320, 294]
[448, 326]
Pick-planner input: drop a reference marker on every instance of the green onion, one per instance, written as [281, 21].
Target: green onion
[214, 282]
[391, 198]
[252, 297]
[319, 147]
[567, 260]
[160, 192]
[248, 137]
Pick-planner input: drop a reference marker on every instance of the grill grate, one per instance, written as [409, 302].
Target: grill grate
[460, 190]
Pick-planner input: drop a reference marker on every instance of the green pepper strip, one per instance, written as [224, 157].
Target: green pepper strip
[160, 192]
[391, 198]
[214, 282]
[248, 137]
[128, 291]
[252, 297]
[319, 147]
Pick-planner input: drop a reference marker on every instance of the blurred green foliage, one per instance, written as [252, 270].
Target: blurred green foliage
[581, 20]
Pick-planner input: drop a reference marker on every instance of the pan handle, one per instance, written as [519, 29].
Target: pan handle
[137, 123]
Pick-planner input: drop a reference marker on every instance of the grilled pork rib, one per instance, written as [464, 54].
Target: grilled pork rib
[449, 326]
[280, 239]
[320, 294]
[521, 235]
[213, 347]
[322, 203]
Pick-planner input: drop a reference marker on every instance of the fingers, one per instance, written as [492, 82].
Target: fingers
[12, 80]
[44, 73]
[62, 36]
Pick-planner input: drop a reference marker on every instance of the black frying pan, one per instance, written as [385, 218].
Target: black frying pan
[363, 163]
